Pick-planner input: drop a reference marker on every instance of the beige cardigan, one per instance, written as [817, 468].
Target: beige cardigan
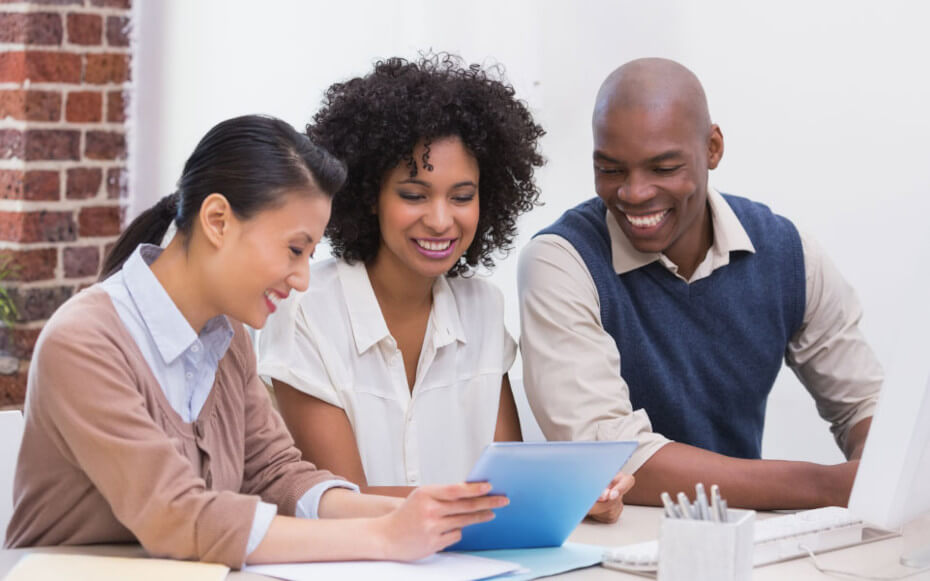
[105, 459]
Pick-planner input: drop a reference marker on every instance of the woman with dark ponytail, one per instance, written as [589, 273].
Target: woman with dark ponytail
[145, 419]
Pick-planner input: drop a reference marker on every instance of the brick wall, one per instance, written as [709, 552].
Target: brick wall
[64, 86]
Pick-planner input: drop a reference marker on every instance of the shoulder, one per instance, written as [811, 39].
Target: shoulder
[474, 293]
[588, 217]
[87, 317]
[752, 213]
[325, 290]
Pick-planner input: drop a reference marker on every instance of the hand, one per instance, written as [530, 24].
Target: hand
[610, 504]
[432, 517]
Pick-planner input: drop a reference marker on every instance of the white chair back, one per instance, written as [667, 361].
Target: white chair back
[11, 435]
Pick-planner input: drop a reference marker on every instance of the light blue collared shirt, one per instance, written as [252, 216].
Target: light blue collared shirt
[184, 362]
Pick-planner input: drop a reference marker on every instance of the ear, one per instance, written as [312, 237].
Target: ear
[714, 147]
[216, 217]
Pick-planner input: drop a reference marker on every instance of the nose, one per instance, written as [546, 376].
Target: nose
[635, 190]
[438, 216]
[299, 279]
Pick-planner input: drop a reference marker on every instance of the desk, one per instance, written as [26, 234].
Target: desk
[638, 524]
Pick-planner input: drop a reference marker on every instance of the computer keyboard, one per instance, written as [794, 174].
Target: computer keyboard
[775, 539]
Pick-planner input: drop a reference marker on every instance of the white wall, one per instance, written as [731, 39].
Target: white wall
[823, 107]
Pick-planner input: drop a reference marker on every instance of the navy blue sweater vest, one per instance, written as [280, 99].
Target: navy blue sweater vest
[700, 358]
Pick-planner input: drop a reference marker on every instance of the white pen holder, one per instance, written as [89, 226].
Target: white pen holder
[699, 550]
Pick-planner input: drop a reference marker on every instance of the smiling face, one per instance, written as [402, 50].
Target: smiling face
[265, 257]
[427, 221]
[651, 166]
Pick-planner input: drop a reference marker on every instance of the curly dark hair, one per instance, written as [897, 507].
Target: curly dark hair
[374, 122]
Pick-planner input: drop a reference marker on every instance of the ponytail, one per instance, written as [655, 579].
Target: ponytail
[149, 227]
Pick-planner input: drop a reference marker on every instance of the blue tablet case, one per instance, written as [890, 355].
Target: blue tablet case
[551, 487]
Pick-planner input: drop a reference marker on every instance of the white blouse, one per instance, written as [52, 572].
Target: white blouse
[332, 342]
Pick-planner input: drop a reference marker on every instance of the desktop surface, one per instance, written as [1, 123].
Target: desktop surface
[639, 524]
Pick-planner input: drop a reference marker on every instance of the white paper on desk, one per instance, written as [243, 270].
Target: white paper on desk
[54, 567]
[441, 566]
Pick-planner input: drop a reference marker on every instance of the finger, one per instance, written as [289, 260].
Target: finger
[467, 505]
[625, 484]
[450, 538]
[457, 491]
[619, 487]
[458, 521]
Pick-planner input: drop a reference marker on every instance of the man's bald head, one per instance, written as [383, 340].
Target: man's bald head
[654, 84]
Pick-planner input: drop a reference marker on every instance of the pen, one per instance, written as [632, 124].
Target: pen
[723, 511]
[701, 501]
[715, 503]
[670, 510]
[685, 505]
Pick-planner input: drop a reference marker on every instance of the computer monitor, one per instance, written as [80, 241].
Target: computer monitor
[892, 486]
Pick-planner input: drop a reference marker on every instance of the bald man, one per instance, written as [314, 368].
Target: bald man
[661, 311]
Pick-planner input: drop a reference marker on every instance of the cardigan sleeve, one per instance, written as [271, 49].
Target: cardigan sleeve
[84, 392]
[273, 466]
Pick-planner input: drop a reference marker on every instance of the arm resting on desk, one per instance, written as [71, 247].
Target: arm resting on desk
[759, 484]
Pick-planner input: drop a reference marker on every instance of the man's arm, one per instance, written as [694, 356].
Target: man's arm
[572, 379]
[830, 355]
[759, 484]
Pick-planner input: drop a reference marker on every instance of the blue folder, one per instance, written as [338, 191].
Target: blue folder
[551, 487]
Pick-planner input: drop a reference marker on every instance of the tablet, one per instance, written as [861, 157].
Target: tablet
[551, 487]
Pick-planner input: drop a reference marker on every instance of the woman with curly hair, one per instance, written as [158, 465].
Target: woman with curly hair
[400, 377]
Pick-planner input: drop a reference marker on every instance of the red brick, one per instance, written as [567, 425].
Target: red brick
[11, 184]
[81, 262]
[86, 29]
[38, 303]
[30, 105]
[41, 185]
[118, 31]
[106, 68]
[83, 182]
[42, 226]
[117, 183]
[54, 144]
[84, 107]
[13, 387]
[18, 342]
[105, 145]
[40, 67]
[116, 106]
[112, 3]
[11, 143]
[30, 28]
[33, 185]
[99, 221]
[31, 265]
[48, 2]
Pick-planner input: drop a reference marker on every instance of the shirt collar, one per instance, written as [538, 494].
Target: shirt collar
[729, 236]
[170, 331]
[367, 320]
[446, 320]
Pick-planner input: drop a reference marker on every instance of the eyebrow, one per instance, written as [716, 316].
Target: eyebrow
[665, 156]
[428, 185]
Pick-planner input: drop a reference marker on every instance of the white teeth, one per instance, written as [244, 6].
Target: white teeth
[646, 221]
[435, 246]
[273, 297]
